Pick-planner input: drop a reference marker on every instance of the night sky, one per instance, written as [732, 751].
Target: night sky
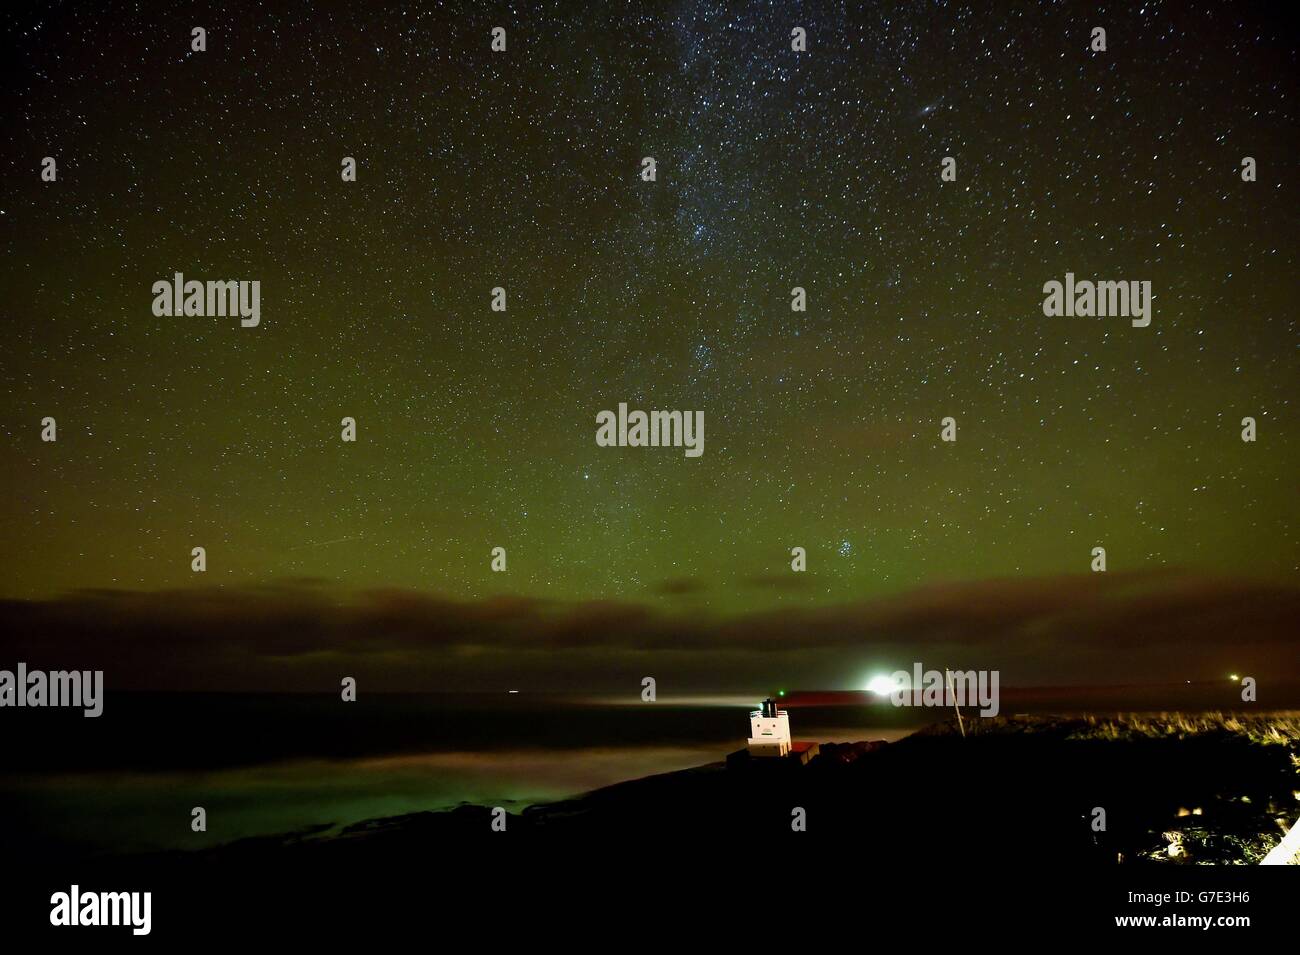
[776, 169]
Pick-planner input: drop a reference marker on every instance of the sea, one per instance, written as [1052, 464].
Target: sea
[279, 764]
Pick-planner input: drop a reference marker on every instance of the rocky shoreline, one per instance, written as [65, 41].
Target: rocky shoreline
[1167, 790]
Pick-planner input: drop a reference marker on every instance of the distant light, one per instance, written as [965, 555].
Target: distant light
[780, 692]
[512, 691]
[1233, 677]
[882, 685]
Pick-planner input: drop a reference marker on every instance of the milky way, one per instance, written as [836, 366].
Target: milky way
[776, 169]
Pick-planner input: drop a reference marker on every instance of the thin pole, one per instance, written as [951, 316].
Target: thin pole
[948, 676]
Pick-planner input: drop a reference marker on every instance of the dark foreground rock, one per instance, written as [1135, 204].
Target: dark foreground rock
[1171, 790]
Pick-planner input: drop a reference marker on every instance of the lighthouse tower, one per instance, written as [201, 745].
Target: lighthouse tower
[769, 730]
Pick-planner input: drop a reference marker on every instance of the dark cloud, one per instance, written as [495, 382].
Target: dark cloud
[681, 587]
[1111, 627]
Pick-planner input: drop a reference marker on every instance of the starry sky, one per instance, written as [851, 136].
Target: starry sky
[776, 169]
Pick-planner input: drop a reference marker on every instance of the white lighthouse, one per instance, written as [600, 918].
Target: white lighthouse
[769, 730]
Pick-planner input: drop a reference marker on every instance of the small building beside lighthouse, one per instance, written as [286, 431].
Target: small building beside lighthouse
[769, 731]
[770, 747]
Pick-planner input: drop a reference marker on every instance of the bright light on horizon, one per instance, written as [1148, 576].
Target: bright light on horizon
[882, 685]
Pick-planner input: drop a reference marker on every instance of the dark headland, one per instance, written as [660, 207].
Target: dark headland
[1156, 789]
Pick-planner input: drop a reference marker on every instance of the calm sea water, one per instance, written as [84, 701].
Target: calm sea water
[272, 764]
